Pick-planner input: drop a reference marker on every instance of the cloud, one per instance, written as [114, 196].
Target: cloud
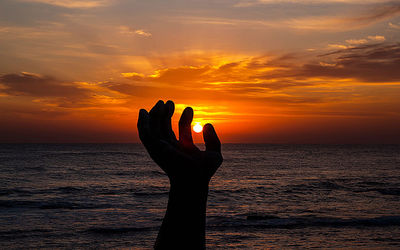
[368, 63]
[39, 86]
[353, 42]
[377, 38]
[142, 33]
[217, 20]
[378, 13]
[374, 15]
[356, 41]
[43, 30]
[133, 75]
[328, 23]
[80, 4]
[361, 82]
[337, 46]
[48, 91]
[274, 79]
[105, 49]
[250, 3]
[129, 31]
[393, 25]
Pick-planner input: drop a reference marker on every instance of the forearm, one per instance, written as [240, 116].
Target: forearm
[185, 218]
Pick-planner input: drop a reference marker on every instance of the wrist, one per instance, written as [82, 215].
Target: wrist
[189, 190]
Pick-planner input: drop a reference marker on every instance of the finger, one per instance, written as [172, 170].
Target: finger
[185, 129]
[211, 138]
[155, 115]
[166, 129]
[144, 127]
[153, 145]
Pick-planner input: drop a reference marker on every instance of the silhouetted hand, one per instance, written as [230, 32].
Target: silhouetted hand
[181, 160]
[189, 171]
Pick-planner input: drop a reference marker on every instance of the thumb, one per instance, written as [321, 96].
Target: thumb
[211, 138]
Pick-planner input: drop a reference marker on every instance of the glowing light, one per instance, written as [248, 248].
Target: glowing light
[197, 128]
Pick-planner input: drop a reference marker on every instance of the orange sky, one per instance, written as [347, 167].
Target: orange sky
[260, 71]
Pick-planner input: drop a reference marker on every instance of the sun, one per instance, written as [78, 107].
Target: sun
[197, 128]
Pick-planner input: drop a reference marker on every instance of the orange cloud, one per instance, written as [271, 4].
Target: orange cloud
[240, 96]
[356, 41]
[377, 38]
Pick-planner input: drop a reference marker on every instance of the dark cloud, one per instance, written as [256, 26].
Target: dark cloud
[378, 13]
[11, 110]
[229, 66]
[39, 86]
[368, 63]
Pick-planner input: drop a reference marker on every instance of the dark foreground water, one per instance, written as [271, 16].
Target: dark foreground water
[263, 196]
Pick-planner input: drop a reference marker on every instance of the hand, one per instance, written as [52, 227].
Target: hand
[181, 160]
[189, 171]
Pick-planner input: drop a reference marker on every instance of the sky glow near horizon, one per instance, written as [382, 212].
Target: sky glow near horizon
[268, 71]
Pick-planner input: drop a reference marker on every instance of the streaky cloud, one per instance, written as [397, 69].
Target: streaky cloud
[251, 3]
[79, 4]
[375, 14]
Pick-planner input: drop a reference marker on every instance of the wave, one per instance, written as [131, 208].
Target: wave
[233, 191]
[25, 192]
[272, 221]
[150, 193]
[359, 187]
[68, 189]
[69, 205]
[386, 191]
[17, 191]
[50, 205]
[92, 191]
[121, 230]
[321, 185]
[97, 153]
[20, 232]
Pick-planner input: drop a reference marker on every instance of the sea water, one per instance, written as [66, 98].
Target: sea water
[263, 196]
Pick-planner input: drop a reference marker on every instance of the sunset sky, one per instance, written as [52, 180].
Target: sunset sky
[263, 71]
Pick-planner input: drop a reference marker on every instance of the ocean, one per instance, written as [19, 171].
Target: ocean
[263, 196]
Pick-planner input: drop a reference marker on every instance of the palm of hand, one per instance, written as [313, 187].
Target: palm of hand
[181, 160]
